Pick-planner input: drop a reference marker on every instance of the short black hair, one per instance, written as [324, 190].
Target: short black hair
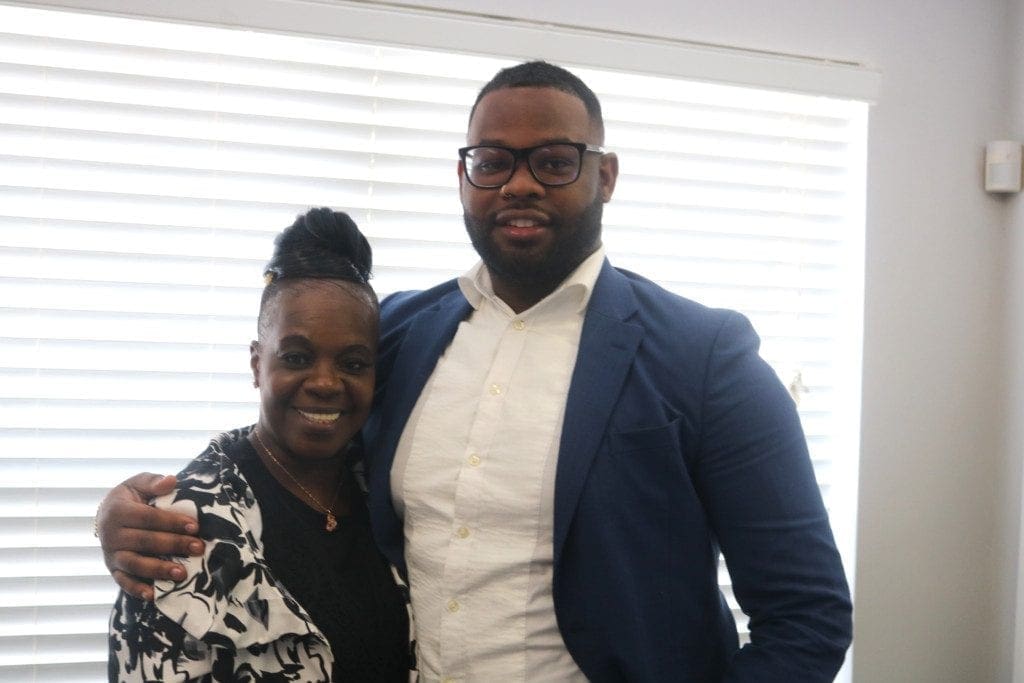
[322, 244]
[540, 74]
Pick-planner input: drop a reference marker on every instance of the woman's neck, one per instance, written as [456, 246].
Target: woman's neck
[318, 482]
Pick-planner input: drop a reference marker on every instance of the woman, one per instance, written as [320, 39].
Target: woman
[291, 586]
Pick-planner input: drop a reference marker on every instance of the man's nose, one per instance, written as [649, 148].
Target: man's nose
[522, 183]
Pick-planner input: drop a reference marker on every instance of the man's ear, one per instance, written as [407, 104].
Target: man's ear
[254, 362]
[461, 170]
[609, 173]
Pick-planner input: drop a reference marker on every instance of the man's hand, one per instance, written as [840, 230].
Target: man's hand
[131, 533]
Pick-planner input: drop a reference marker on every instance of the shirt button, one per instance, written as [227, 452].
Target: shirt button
[463, 532]
[453, 606]
[474, 460]
[519, 325]
[495, 390]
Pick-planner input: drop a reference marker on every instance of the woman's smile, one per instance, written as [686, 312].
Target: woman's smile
[319, 417]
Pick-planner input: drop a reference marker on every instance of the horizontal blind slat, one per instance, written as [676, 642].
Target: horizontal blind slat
[75, 672]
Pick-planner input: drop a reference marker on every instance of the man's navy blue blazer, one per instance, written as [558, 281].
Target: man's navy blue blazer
[678, 441]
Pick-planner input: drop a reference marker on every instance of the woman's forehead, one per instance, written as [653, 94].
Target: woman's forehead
[303, 302]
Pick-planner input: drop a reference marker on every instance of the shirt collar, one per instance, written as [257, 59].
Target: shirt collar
[476, 285]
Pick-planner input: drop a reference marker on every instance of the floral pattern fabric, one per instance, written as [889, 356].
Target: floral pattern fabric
[229, 620]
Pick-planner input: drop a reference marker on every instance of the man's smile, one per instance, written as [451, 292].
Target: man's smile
[521, 224]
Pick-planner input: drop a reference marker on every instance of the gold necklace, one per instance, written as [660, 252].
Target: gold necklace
[332, 521]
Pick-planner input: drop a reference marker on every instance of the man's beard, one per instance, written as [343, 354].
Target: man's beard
[530, 271]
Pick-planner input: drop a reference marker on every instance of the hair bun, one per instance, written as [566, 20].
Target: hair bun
[322, 243]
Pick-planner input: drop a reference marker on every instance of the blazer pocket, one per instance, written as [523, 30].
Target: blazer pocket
[658, 439]
[645, 486]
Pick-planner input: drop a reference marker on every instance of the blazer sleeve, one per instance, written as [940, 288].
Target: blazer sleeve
[757, 484]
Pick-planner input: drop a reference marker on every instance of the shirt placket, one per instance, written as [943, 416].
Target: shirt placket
[469, 537]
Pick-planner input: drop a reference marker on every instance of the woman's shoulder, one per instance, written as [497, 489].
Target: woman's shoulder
[220, 455]
[229, 593]
[212, 480]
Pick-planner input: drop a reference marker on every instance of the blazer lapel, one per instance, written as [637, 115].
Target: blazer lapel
[429, 334]
[426, 340]
[608, 345]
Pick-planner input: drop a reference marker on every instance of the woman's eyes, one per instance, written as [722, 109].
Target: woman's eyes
[295, 360]
[353, 366]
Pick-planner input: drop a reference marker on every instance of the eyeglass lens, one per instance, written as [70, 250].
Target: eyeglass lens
[551, 165]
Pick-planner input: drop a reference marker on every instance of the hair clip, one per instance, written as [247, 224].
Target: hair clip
[268, 277]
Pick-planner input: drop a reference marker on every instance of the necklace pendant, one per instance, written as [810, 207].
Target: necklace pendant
[332, 522]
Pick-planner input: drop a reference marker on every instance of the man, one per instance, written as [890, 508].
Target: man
[560, 449]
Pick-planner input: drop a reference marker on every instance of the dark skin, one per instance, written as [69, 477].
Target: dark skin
[314, 366]
[530, 236]
[131, 531]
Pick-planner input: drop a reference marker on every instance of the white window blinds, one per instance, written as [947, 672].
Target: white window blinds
[146, 166]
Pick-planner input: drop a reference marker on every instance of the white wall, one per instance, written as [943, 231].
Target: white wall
[1015, 334]
[938, 537]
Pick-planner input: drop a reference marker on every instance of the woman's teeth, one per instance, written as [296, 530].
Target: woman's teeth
[320, 418]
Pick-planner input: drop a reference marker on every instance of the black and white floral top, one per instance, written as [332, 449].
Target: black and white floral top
[233, 619]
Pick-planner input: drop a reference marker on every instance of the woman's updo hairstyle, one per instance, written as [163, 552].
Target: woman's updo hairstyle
[321, 244]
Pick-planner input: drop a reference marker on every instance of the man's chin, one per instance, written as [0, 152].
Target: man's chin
[528, 270]
[508, 256]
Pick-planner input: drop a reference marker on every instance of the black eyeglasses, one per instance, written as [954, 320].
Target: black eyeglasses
[553, 164]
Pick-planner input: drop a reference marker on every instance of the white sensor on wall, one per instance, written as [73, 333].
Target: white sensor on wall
[1002, 166]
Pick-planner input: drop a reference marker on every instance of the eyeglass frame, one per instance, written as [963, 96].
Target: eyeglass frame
[523, 154]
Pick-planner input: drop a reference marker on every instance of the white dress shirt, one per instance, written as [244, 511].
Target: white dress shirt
[474, 478]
